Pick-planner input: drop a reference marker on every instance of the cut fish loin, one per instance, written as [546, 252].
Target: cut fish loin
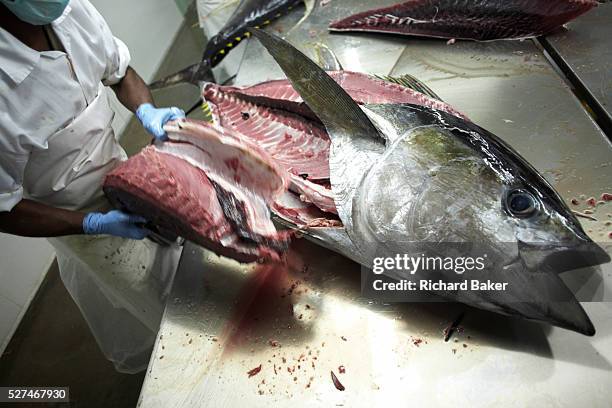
[210, 187]
[481, 20]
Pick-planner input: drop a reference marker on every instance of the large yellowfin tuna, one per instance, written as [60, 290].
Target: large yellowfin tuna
[408, 173]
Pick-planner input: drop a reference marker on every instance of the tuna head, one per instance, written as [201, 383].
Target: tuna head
[460, 182]
[408, 178]
[444, 180]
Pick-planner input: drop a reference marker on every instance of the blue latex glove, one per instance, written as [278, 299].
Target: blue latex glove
[115, 223]
[153, 119]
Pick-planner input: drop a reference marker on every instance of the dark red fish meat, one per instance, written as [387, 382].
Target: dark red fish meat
[481, 20]
[208, 186]
[275, 117]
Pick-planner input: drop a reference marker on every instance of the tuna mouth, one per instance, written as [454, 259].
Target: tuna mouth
[587, 254]
[582, 253]
[485, 22]
[538, 278]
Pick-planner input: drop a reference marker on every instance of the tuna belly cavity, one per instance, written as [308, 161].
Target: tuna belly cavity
[298, 143]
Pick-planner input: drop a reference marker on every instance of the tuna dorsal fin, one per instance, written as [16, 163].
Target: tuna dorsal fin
[336, 109]
[411, 82]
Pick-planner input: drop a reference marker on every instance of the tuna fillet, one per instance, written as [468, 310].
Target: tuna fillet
[481, 20]
[209, 187]
[274, 116]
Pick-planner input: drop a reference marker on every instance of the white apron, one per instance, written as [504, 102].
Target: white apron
[120, 285]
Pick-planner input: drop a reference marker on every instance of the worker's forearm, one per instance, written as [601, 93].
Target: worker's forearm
[132, 91]
[31, 219]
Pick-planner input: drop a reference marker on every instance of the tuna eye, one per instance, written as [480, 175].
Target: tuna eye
[521, 203]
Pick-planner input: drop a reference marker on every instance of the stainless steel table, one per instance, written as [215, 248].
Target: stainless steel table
[584, 52]
[302, 321]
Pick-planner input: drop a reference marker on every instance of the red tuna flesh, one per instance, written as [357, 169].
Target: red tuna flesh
[209, 187]
[481, 20]
[301, 146]
[363, 88]
[274, 116]
[318, 194]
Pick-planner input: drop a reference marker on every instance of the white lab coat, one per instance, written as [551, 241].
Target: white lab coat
[56, 146]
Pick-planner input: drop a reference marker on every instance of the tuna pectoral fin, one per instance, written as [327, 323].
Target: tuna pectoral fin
[336, 109]
[193, 74]
[396, 120]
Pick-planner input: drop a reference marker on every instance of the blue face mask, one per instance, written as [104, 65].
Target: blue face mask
[36, 12]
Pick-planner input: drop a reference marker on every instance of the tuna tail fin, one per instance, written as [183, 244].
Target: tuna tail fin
[336, 109]
[410, 82]
[193, 74]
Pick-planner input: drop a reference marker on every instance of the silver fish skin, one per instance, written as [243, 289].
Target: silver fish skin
[407, 175]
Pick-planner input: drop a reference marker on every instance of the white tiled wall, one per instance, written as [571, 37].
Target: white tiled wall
[148, 28]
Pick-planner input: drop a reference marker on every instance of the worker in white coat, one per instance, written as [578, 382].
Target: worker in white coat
[57, 58]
